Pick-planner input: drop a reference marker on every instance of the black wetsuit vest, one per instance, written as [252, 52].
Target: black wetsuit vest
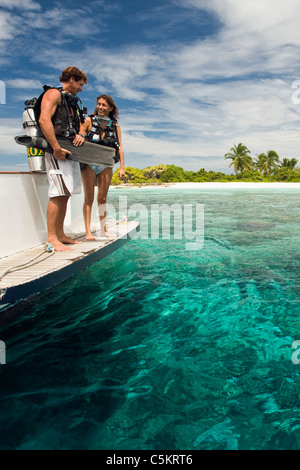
[110, 137]
[67, 117]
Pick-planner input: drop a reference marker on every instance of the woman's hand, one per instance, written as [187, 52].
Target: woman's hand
[78, 140]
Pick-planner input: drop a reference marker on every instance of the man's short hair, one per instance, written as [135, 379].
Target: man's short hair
[72, 72]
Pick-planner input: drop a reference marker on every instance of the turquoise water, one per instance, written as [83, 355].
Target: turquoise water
[157, 347]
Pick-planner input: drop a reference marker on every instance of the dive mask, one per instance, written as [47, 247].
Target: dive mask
[104, 122]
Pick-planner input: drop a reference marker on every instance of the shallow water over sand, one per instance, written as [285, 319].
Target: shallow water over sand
[158, 347]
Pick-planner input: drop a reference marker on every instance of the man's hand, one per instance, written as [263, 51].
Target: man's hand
[60, 153]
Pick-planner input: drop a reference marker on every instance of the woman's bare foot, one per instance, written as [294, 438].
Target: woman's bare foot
[89, 237]
[107, 235]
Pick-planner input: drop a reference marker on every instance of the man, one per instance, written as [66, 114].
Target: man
[63, 175]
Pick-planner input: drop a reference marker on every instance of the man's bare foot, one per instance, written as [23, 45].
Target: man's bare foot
[68, 240]
[58, 246]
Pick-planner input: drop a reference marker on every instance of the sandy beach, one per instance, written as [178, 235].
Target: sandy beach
[236, 185]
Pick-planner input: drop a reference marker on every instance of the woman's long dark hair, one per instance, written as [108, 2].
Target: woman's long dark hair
[114, 113]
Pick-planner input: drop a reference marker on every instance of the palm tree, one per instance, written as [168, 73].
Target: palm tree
[240, 158]
[266, 163]
[289, 163]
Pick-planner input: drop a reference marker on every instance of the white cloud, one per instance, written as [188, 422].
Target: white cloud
[23, 83]
[258, 113]
[7, 26]
[276, 21]
[9, 128]
[255, 37]
[23, 4]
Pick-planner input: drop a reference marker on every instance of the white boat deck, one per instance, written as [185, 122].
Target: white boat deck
[44, 264]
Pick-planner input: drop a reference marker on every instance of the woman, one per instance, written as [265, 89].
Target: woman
[95, 129]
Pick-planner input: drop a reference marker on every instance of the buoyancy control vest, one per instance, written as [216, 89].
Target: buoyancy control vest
[66, 119]
[104, 132]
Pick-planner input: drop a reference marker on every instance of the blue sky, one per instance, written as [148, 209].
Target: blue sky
[191, 78]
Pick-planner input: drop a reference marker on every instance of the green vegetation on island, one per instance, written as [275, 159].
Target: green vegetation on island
[265, 167]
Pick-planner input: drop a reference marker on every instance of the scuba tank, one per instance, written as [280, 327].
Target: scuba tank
[35, 156]
[67, 123]
[30, 124]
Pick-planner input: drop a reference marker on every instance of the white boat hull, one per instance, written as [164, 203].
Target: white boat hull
[23, 206]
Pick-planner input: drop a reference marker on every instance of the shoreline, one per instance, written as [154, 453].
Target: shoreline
[229, 185]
